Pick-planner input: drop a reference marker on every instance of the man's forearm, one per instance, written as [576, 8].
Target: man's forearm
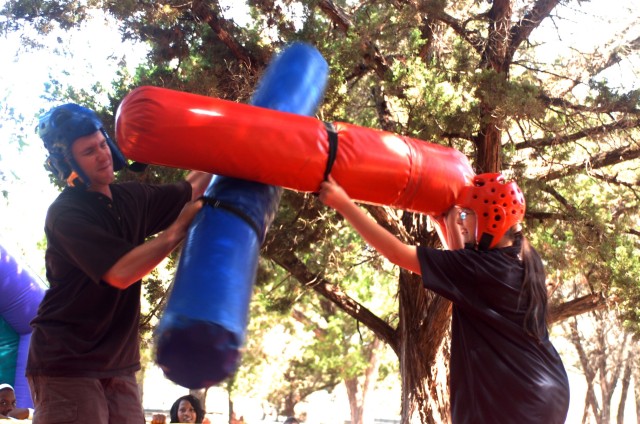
[199, 182]
[141, 260]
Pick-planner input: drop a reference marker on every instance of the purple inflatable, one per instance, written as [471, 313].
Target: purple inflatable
[20, 294]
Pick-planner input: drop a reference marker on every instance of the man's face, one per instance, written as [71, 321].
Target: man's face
[7, 401]
[93, 156]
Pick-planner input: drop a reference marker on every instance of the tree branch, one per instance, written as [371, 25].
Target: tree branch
[373, 59]
[302, 318]
[598, 161]
[458, 27]
[290, 262]
[578, 306]
[336, 15]
[203, 11]
[560, 198]
[531, 20]
[618, 54]
[633, 232]
[622, 124]
[613, 179]
[618, 106]
[543, 216]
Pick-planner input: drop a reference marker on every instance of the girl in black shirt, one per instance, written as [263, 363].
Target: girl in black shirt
[503, 367]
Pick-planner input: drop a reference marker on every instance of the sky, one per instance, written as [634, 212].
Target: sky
[22, 85]
[85, 60]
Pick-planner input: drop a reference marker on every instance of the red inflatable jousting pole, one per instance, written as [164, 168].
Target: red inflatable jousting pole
[189, 131]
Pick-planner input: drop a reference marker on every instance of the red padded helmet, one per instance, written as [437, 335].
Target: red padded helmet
[498, 205]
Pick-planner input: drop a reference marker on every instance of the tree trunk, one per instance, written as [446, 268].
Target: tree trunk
[360, 414]
[289, 404]
[626, 382]
[201, 395]
[606, 356]
[494, 57]
[636, 391]
[140, 376]
[424, 322]
[489, 144]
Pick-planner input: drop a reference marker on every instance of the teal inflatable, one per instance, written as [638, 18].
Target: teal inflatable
[21, 292]
[203, 326]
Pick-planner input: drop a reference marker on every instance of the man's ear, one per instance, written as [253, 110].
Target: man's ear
[58, 166]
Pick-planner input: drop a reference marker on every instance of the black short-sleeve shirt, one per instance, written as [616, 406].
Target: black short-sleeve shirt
[498, 373]
[84, 327]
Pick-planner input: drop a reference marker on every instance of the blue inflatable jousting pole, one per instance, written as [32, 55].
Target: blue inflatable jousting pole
[203, 326]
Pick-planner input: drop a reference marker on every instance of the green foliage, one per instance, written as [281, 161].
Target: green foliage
[277, 364]
[515, 98]
[321, 346]
[625, 268]
[44, 15]
[606, 97]
[591, 241]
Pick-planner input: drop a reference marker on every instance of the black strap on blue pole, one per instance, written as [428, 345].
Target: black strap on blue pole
[215, 203]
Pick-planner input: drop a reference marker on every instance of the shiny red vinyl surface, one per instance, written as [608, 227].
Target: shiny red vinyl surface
[183, 130]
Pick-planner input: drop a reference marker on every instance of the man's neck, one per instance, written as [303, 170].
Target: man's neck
[102, 189]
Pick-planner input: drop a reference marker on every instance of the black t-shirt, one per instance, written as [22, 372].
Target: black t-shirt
[498, 373]
[85, 327]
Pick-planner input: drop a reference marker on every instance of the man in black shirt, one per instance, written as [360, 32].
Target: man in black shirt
[84, 348]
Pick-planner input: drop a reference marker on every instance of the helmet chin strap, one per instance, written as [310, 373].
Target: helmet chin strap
[73, 179]
[485, 241]
[483, 244]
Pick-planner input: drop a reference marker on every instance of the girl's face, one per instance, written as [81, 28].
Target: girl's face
[453, 233]
[467, 223]
[186, 412]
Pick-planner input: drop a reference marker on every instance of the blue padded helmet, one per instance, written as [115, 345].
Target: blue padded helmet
[60, 127]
